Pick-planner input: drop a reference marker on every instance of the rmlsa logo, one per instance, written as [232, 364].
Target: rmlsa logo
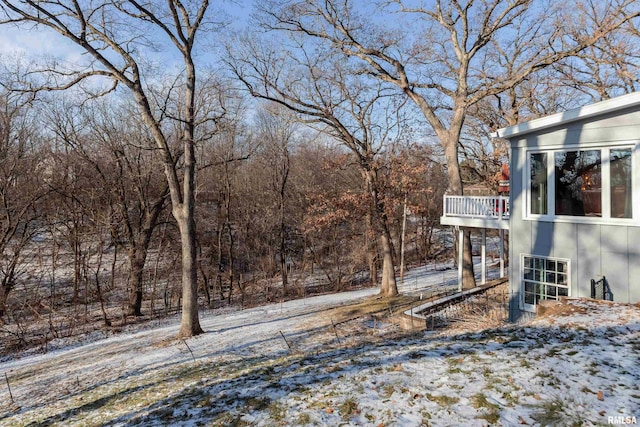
[622, 420]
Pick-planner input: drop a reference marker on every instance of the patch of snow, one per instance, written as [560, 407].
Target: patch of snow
[576, 368]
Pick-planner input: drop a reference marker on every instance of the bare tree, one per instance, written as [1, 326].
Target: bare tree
[450, 66]
[326, 92]
[277, 132]
[115, 35]
[20, 191]
[229, 144]
[414, 182]
[447, 65]
[119, 152]
[339, 238]
[608, 68]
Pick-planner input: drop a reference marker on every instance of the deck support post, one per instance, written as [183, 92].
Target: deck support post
[460, 256]
[484, 256]
[501, 253]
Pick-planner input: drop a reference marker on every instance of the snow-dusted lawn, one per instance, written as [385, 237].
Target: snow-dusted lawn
[568, 370]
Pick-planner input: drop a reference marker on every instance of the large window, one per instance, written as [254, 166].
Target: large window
[543, 278]
[581, 183]
[578, 190]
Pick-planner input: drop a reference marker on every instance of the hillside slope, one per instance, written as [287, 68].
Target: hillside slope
[577, 365]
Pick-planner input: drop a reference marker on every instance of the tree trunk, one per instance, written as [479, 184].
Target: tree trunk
[402, 238]
[284, 272]
[136, 263]
[455, 188]
[189, 323]
[468, 278]
[506, 248]
[283, 249]
[96, 278]
[75, 245]
[283, 226]
[4, 293]
[372, 251]
[231, 258]
[138, 250]
[182, 208]
[373, 263]
[185, 213]
[389, 287]
[7, 285]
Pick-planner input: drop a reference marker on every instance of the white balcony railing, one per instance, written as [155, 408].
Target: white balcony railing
[488, 207]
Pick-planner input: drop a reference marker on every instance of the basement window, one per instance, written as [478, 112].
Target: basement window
[543, 278]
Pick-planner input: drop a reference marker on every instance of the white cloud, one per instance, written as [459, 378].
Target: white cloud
[36, 43]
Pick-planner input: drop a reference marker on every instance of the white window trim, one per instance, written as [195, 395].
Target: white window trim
[529, 307]
[606, 184]
[605, 165]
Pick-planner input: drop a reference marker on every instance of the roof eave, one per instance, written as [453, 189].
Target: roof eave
[558, 119]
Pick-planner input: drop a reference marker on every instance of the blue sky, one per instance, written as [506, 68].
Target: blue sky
[33, 42]
[36, 43]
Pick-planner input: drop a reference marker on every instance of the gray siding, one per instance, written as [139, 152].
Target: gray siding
[634, 264]
[586, 265]
[594, 250]
[517, 232]
[621, 126]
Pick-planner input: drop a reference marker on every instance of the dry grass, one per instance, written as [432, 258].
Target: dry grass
[376, 319]
[549, 308]
[484, 311]
[372, 306]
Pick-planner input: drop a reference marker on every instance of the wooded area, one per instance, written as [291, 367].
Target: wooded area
[279, 165]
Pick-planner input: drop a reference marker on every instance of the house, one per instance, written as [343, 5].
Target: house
[573, 208]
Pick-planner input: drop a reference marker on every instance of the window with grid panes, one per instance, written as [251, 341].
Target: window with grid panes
[544, 278]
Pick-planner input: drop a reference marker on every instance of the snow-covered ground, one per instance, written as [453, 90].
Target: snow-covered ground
[578, 367]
